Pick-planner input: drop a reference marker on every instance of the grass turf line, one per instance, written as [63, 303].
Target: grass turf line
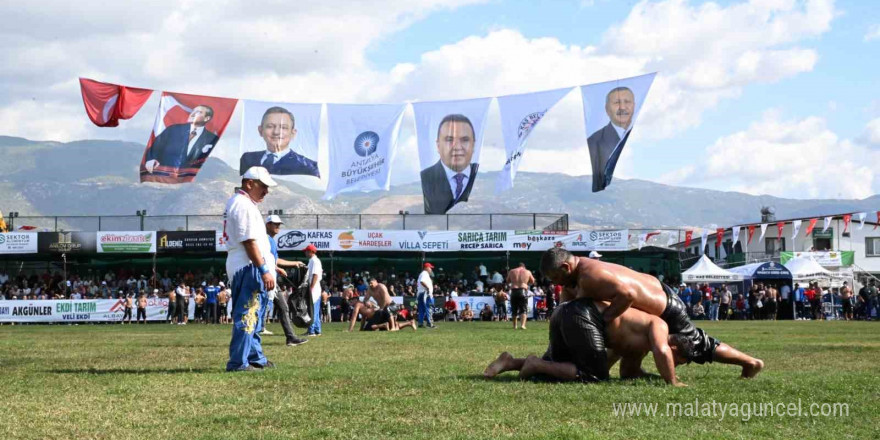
[161, 381]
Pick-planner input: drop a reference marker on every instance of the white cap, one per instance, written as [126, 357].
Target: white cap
[155, 290]
[221, 284]
[204, 283]
[595, 255]
[261, 174]
[274, 219]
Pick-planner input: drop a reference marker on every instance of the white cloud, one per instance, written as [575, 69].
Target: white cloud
[873, 131]
[315, 52]
[873, 33]
[789, 158]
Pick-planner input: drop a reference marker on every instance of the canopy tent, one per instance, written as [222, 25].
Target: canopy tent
[763, 271]
[805, 268]
[706, 271]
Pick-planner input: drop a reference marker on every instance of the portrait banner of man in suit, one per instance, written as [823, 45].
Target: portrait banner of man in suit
[610, 111]
[281, 137]
[186, 131]
[450, 137]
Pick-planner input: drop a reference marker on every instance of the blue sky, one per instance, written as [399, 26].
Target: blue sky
[772, 97]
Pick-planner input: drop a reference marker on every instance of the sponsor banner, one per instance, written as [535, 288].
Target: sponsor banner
[476, 302]
[87, 310]
[66, 242]
[450, 241]
[186, 241]
[18, 242]
[220, 242]
[825, 259]
[127, 242]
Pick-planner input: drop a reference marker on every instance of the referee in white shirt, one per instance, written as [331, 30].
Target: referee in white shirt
[251, 266]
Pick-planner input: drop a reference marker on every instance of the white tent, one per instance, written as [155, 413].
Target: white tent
[805, 268]
[706, 271]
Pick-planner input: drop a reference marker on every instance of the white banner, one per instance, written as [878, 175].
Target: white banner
[127, 242]
[450, 137]
[281, 137]
[763, 231]
[220, 242]
[826, 223]
[736, 230]
[825, 259]
[86, 310]
[795, 228]
[704, 234]
[610, 111]
[363, 143]
[519, 116]
[861, 217]
[434, 241]
[18, 242]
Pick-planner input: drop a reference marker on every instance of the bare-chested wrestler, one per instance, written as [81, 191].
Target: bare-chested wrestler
[380, 317]
[846, 299]
[631, 336]
[519, 279]
[621, 287]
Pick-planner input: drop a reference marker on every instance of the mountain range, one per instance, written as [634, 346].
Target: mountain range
[97, 177]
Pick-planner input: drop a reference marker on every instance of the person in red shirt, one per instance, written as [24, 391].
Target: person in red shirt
[541, 308]
[451, 308]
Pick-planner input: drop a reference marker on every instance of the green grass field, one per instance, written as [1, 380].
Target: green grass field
[160, 381]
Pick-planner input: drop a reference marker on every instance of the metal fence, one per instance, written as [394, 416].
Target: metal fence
[452, 222]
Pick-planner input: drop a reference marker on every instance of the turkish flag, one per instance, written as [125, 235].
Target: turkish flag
[107, 103]
[779, 227]
[719, 235]
[878, 220]
[846, 219]
[751, 233]
[688, 235]
[811, 226]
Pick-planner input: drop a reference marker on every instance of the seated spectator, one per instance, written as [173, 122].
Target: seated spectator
[496, 279]
[699, 312]
[486, 314]
[541, 309]
[451, 309]
[467, 314]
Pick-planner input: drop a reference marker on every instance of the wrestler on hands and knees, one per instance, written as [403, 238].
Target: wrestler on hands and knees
[577, 330]
[382, 315]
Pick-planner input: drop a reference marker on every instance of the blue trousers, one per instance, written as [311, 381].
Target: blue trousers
[426, 309]
[315, 327]
[249, 299]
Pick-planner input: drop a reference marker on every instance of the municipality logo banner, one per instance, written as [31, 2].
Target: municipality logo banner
[363, 143]
[127, 242]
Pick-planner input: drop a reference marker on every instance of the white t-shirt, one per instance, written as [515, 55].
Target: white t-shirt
[243, 223]
[425, 278]
[483, 271]
[315, 268]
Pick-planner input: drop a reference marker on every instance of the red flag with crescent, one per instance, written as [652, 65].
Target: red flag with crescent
[846, 219]
[751, 233]
[688, 235]
[107, 103]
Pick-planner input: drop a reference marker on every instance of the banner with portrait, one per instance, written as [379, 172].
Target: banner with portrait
[450, 137]
[610, 111]
[186, 131]
[519, 116]
[363, 143]
[281, 137]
